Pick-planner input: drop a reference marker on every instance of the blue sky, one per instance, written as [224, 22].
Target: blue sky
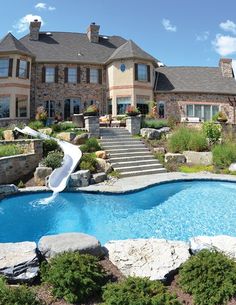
[177, 32]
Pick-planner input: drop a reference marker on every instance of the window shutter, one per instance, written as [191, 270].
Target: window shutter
[148, 74]
[88, 75]
[56, 74]
[66, 74]
[17, 68]
[78, 75]
[43, 74]
[10, 67]
[100, 76]
[136, 71]
[28, 69]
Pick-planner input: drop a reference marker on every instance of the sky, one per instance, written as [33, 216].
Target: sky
[176, 32]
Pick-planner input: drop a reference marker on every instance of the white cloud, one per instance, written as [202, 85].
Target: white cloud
[225, 45]
[203, 37]
[228, 26]
[51, 8]
[41, 6]
[168, 26]
[23, 24]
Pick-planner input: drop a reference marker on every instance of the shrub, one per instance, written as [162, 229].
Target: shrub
[198, 141]
[224, 154]
[21, 184]
[155, 123]
[10, 150]
[88, 161]
[91, 145]
[210, 277]
[18, 296]
[115, 174]
[36, 125]
[212, 131]
[138, 291]
[53, 159]
[1, 133]
[74, 277]
[49, 145]
[63, 126]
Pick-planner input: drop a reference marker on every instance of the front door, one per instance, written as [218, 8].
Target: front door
[71, 106]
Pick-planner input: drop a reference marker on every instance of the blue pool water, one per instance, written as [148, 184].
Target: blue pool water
[172, 211]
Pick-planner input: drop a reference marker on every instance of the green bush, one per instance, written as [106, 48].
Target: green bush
[74, 277]
[185, 138]
[210, 277]
[155, 123]
[49, 145]
[36, 125]
[53, 159]
[10, 150]
[91, 145]
[63, 126]
[138, 291]
[212, 131]
[1, 133]
[88, 161]
[224, 154]
[16, 296]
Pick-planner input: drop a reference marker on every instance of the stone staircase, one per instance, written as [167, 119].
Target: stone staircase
[129, 156]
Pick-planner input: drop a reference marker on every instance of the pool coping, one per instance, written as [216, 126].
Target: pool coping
[133, 184]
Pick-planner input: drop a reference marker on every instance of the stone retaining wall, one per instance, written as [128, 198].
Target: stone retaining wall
[13, 168]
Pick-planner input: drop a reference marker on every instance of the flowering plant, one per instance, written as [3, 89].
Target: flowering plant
[91, 110]
[132, 110]
[41, 114]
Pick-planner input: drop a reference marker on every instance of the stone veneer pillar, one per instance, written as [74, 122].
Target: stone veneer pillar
[133, 124]
[92, 125]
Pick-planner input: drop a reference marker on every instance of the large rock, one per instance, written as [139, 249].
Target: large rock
[51, 245]
[101, 154]
[19, 261]
[40, 175]
[153, 258]
[154, 134]
[232, 167]
[80, 178]
[99, 177]
[7, 189]
[222, 243]
[201, 158]
[159, 150]
[104, 166]
[80, 139]
[8, 135]
[66, 136]
[177, 158]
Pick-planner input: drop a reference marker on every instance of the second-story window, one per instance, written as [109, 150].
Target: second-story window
[94, 76]
[50, 75]
[6, 67]
[142, 72]
[23, 69]
[72, 75]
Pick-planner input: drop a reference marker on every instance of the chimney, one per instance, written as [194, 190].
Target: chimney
[93, 32]
[34, 29]
[225, 65]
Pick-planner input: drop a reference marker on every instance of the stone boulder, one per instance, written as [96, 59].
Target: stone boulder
[40, 175]
[153, 258]
[104, 166]
[51, 245]
[99, 177]
[159, 150]
[80, 139]
[154, 134]
[177, 158]
[199, 158]
[47, 131]
[101, 154]
[80, 178]
[222, 243]
[232, 167]
[19, 262]
[7, 189]
[8, 135]
[66, 136]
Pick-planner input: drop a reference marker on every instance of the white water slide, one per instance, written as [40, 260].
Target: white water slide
[72, 154]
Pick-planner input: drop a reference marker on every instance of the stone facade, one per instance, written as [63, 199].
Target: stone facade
[13, 168]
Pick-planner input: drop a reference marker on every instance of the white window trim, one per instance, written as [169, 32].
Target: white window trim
[202, 110]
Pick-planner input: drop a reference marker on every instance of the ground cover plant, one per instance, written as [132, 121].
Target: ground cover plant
[91, 145]
[196, 168]
[10, 150]
[210, 277]
[88, 162]
[36, 125]
[73, 276]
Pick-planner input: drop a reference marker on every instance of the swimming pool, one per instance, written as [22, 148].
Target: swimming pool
[174, 211]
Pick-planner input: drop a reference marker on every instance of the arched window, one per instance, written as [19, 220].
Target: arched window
[161, 109]
[50, 108]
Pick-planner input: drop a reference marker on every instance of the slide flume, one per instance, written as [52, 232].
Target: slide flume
[72, 154]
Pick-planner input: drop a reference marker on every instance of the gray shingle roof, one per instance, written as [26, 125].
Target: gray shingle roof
[131, 50]
[10, 44]
[194, 79]
[65, 47]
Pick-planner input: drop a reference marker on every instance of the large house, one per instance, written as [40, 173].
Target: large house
[66, 72]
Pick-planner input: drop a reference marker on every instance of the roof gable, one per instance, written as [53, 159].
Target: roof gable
[10, 44]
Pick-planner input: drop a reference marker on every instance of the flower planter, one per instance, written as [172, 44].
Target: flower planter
[90, 113]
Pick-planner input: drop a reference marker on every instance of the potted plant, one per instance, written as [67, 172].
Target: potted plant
[132, 110]
[91, 111]
[41, 115]
[221, 117]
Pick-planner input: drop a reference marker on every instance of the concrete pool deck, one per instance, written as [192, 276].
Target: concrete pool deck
[139, 182]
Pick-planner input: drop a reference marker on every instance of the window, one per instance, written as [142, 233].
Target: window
[142, 104]
[4, 67]
[122, 104]
[142, 72]
[50, 74]
[50, 108]
[4, 107]
[94, 76]
[203, 112]
[22, 69]
[21, 107]
[109, 106]
[161, 110]
[72, 75]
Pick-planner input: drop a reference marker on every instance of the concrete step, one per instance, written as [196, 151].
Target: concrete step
[138, 168]
[121, 142]
[143, 172]
[124, 146]
[117, 165]
[130, 158]
[124, 151]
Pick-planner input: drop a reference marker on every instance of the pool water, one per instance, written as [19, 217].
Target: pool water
[173, 211]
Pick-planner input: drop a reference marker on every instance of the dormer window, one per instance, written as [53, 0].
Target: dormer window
[6, 67]
[142, 72]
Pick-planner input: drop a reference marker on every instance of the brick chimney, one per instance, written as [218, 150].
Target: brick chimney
[93, 32]
[34, 29]
[225, 65]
